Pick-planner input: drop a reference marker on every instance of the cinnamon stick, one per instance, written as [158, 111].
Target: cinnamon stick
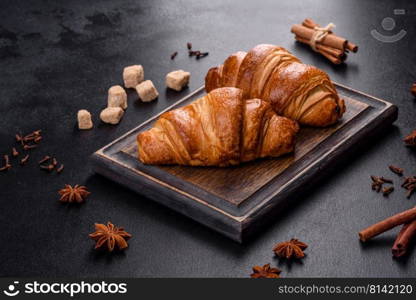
[404, 238]
[332, 51]
[333, 59]
[334, 55]
[311, 24]
[387, 224]
[352, 47]
[330, 40]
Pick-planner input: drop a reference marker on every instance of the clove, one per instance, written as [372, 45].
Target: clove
[7, 164]
[18, 137]
[48, 168]
[378, 182]
[410, 185]
[173, 55]
[28, 147]
[194, 53]
[387, 191]
[14, 152]
[24, 159]
[385, 180]
[60, 169]
[201, 55]
[44, 159]
[396, 170]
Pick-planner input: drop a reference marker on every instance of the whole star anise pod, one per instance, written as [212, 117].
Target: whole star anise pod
[265, 272]
[293, 248]
[410, 140]
[70, 194]
[109, 236]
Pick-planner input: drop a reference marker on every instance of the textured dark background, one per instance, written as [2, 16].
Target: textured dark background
[58, 58]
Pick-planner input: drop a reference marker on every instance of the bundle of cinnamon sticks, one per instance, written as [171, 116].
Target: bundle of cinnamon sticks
[331, 46]
[404, 238]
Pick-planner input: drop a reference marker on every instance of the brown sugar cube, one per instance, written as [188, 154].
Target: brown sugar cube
[133, 75]
[147, 91]
[111, 115]
[177, 80]
[84, 119]
[117, 97]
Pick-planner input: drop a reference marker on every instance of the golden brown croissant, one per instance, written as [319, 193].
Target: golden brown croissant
[219, 129]
[295, 90]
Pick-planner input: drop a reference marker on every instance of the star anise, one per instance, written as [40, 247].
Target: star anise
[265, 272]
[293, 248]
[70, 194]
[109, 236]
[410, 140]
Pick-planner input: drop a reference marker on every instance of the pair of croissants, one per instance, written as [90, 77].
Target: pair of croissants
[252, 108]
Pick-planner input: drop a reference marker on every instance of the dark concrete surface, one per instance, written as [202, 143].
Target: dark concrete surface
[57, 57]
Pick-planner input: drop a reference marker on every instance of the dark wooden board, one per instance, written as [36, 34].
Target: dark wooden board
[234, 200]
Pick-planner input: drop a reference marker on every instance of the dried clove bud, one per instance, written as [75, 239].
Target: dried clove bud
[24, 159]
[410, 191]
[409, 184]
[189, 46]
[378, 182]
[410, 140]
[396, 170]
[5, 168]
[201, 55]
[194, 53]
[173, 55]
[7, 164]
[409, 181]
[44, 159]
[387, 191]
[28, 147]
[60, 169]
[33, 136]
[385, 180]
[48, 168]
[28, 138]
[19, 139]
[14, 152]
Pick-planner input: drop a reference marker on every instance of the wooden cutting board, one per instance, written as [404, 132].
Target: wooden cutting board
[236, 201]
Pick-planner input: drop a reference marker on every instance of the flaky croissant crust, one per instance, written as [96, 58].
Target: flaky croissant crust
[219, 129]
[295, 90]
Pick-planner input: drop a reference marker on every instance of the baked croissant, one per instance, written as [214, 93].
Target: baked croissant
[294, 90]
[219, 129]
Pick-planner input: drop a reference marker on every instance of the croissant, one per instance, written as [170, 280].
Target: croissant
[294, 90]
[219, 129]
